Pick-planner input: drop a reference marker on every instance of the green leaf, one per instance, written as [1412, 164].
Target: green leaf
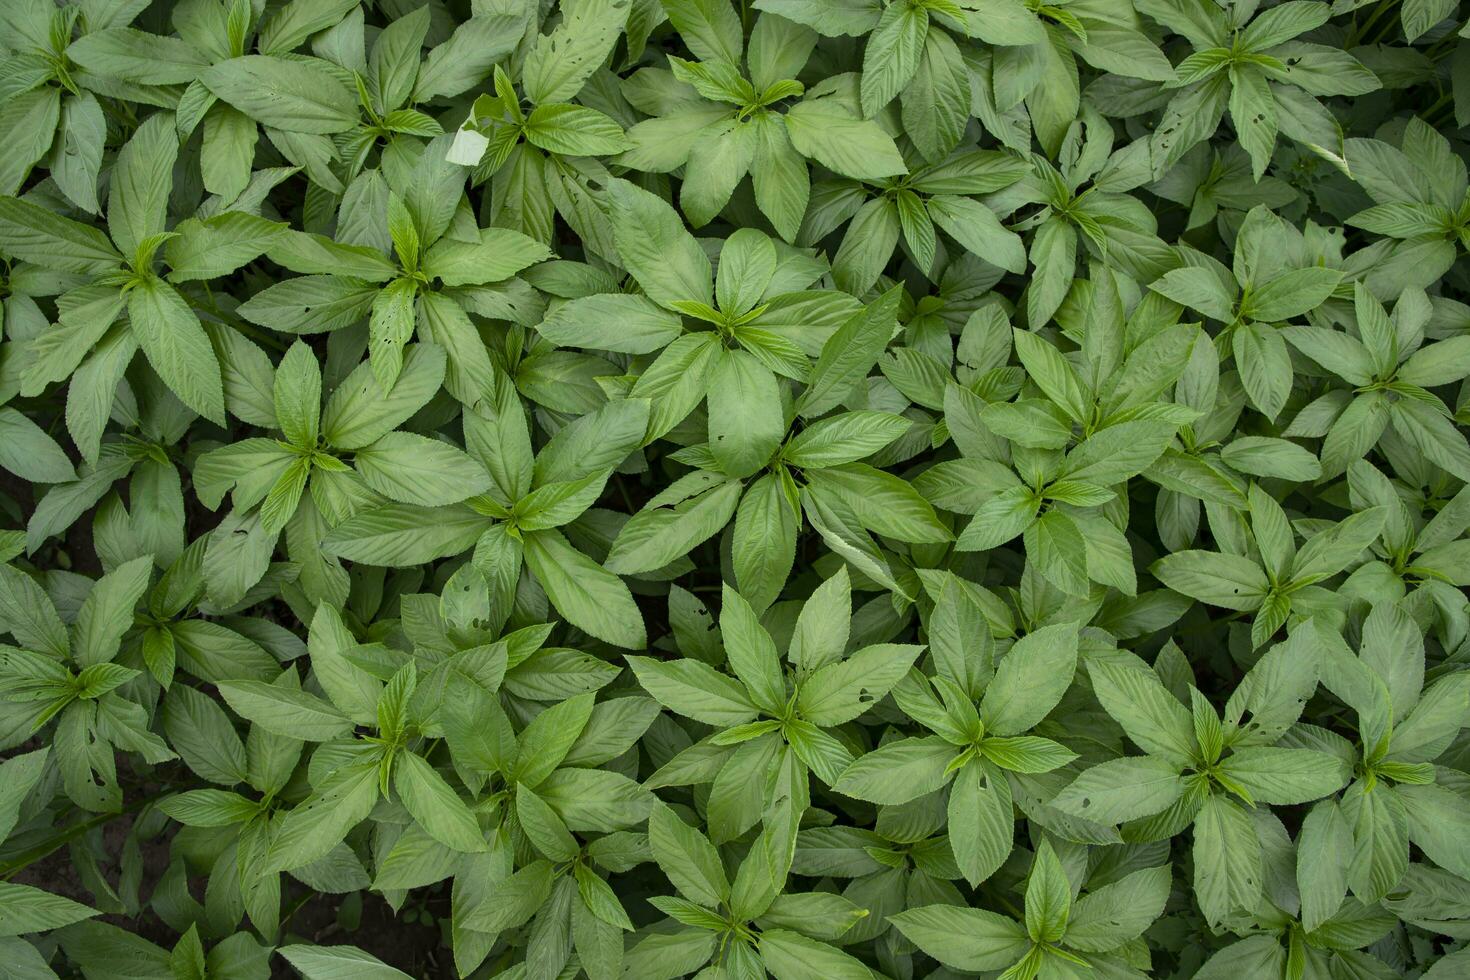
[1122, 789]
[137, 56]
[76, 155]
[763, 547]
[517, 898]
[611, 321]
[338, 963]
[358, 412]
[790, 956]
[1432, 435]
[28, 452]
[1280, 776]
[33, 117]
[976, 227]
[1108, 917]
[1055, 544]
[142, 178]
[1048, 897]
[544, 828]
[1437, 824]
[844, 438]
[435, 804]
[1053, 253]
[1268, 457]
[900, 771]
[688, 859]
[560, 63]
[107, 612]
[209, 808]
[24, 909]
[1330, 550]
[297, 394]
[496, 254]
[964, 938]
[414, 469]
[588, 595]
[218, 245]
[881, 502]
[1000, 519]
[655, 247]
[1254, 113]
[594, 444]
[1051, 373]
[1321, 872]
[21, 774]
[177, 346]
[1265, 366]
[846, 145]
[745, 421]
[751, 652]
[295, 21]
[400, 535]
[1030, 680]
[824, 625]
[1292, 293]
[284, 711]
[779, 177]
[574, 130]
[200, 732]
[1230, 581]
[849, 354]
[1119, 452]
[981, 821]
[892, 55]
[1227, 860]
[837, 693]
[653, 538]
[30, 614]
[1151, 716]
[298, 96]
[319, 823]
[33, 234]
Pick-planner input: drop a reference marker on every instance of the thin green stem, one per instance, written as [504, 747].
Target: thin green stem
[26, 858]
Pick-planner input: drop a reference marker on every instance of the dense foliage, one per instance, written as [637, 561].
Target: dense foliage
[809, 488]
